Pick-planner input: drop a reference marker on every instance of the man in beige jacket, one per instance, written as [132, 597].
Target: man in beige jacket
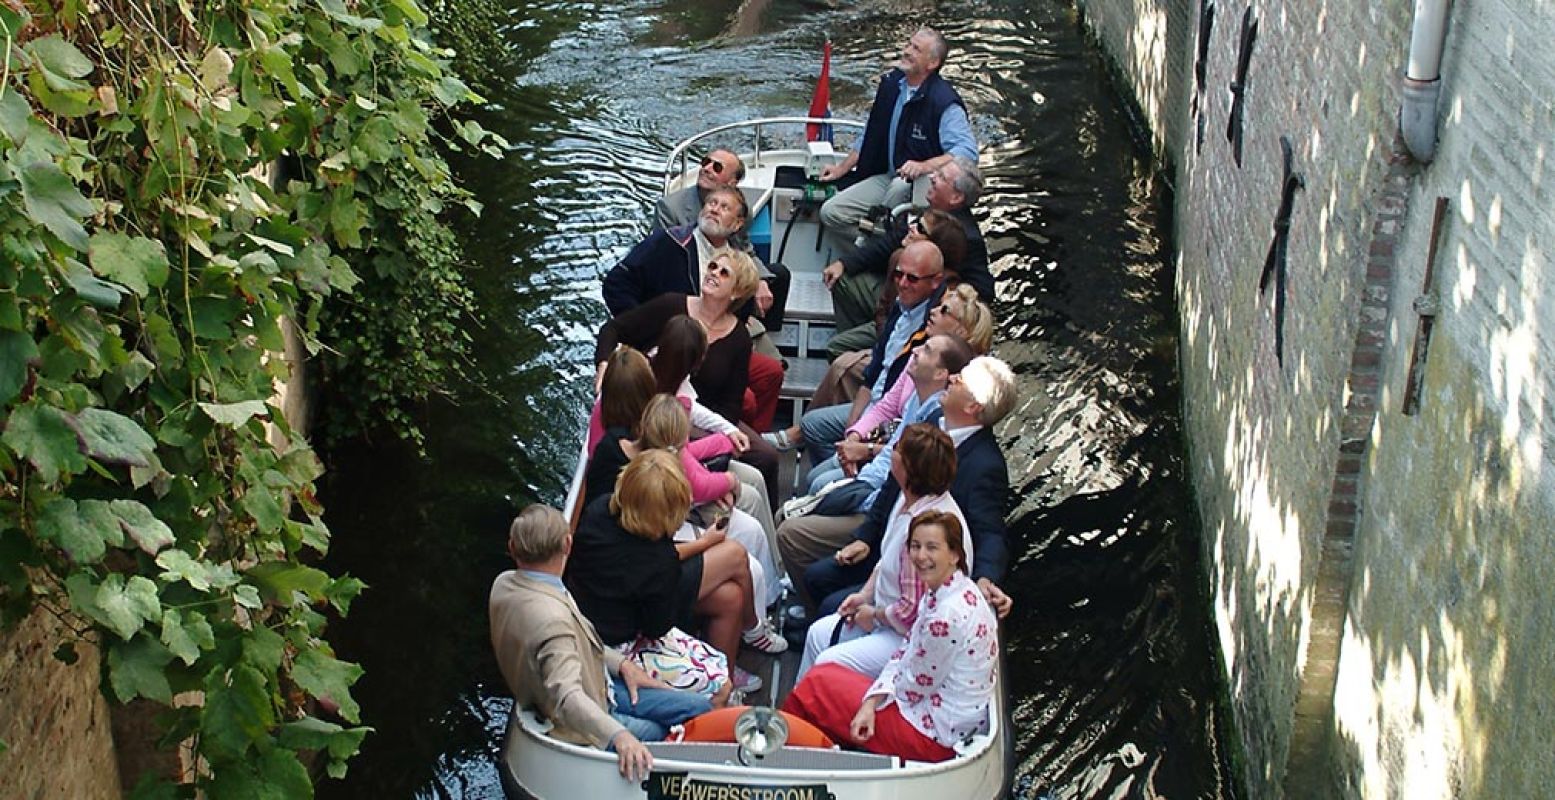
[555, 664]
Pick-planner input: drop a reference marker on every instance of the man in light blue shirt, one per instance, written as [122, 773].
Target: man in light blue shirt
[932, 364]
[917, 123]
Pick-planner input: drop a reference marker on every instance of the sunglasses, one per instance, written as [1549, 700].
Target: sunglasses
[942, 308]
[898, 274]
[918, 228]
[718, 166]
[720, 269]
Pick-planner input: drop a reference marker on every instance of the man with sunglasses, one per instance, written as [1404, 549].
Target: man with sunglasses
[920, 281]
[917, 123]
[681, 207]
[676, 259]
[856, 278]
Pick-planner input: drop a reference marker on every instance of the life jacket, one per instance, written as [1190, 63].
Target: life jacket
[917, 134]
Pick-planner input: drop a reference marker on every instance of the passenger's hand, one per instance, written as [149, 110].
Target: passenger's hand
[713, 536]
[832, 172]
[635, 677]
[763, 297]
[855, 552]
[740, 441]
[855, 452]
[728, 500]
[850, 604]
[996, 597]
[863, 726]
[632, 757]
[864, 618]
[831, 274]
[912, 170]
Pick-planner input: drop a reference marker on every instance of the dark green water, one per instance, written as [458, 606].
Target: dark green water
[1109, 651]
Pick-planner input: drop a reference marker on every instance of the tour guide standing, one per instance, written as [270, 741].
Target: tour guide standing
[918, 122]
[554, 662]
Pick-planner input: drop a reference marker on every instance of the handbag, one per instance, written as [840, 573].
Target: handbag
[680, 660]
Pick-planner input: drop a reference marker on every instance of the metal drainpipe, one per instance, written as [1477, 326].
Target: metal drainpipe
[1423, 79]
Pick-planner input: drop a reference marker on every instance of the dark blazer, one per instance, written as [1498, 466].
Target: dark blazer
[894, 363]
[875, 255]
[624, 584]
[981, 489]
[666, 261]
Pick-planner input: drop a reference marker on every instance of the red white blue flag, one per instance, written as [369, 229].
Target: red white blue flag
[820, 103]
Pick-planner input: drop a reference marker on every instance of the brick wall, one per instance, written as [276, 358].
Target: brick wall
[1428, 629]
[52, 718]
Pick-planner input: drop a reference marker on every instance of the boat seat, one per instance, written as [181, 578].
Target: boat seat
[803, 376]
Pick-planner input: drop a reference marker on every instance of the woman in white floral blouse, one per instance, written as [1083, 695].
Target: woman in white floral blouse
[936, 689]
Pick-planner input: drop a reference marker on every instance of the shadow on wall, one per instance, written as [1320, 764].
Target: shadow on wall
[1265, 435]
[1443, 684]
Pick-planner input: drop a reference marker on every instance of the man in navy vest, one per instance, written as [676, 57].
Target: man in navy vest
[917, 123]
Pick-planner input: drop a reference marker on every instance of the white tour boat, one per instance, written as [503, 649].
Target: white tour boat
[784, 228]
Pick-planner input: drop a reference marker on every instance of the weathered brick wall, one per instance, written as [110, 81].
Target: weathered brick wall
[52, 718]
[1447, 638]
[1444, 687]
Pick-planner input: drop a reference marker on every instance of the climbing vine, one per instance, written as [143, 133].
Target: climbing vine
[183, 184]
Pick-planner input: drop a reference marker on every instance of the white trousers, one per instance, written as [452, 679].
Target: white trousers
[864, 653]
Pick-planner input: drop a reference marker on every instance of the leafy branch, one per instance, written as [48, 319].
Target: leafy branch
[178, 183]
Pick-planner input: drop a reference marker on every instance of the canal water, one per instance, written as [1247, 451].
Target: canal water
[1112, 674]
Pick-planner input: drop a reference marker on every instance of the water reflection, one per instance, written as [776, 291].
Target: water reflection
[1110, 661]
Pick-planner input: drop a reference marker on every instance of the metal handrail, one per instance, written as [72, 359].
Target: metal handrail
[679, 151]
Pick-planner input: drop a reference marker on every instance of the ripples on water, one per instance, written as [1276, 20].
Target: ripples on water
[1109, 655]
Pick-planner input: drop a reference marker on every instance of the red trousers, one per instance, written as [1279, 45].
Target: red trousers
[761, 394]
[831, 694]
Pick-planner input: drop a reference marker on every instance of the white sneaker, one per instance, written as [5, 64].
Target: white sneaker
[745, 682]
[761, 638]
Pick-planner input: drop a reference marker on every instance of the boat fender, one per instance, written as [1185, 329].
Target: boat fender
[718, 726]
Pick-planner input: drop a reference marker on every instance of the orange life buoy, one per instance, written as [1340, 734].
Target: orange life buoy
[718, 726]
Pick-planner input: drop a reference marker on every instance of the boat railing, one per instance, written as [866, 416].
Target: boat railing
[756, 127]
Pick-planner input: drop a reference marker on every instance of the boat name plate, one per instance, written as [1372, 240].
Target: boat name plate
[681, 786]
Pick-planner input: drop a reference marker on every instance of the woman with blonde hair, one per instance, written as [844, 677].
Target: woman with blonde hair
[665, 425]
[635, 583]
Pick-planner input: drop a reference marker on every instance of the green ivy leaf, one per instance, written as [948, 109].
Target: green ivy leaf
[84, 532]
[326, 677]
[14, 112]
[124, 607]
[279, 581]
[185, 637]
[236, 714]
[263, 648]
[262, 504]
[202, 575]
[42, 435]
[413, 13]
[17, 351]
[311, 733]
[53, 200]
[113, 438]
[233, 415]
[92, 289]
[283, 776]
[341, 591]
[138, 669]
[143, 526]
[61, 59]
[135, 261]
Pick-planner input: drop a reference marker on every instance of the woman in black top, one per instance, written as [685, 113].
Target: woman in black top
[630, 579]
[721, 379]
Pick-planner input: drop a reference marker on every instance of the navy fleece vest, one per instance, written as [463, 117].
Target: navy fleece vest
[917, 135]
